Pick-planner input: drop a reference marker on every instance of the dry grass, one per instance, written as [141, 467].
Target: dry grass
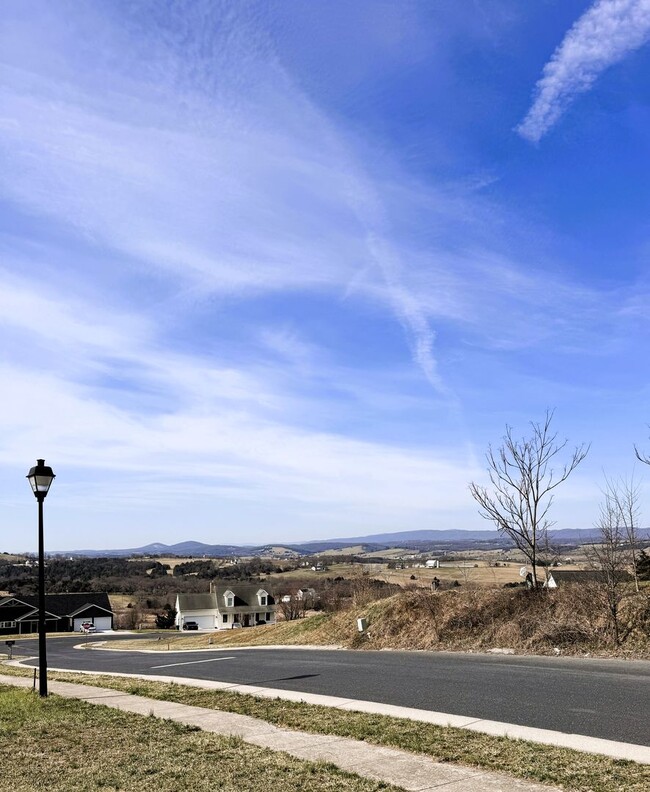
[572, 770]
[313, 630]
[475, 573]
[120, 601]
[62, 745]
[570, 619]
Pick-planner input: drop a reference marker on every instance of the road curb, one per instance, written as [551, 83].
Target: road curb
[405, 770]
[576, 742]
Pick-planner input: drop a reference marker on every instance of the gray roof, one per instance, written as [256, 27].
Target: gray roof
[197, 601]
[245, 593]
[584, 575]
[245, 596]
[65, 604]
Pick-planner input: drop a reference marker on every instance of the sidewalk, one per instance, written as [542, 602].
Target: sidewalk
[400, 768]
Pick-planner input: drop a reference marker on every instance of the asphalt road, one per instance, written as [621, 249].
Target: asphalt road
[597, 698]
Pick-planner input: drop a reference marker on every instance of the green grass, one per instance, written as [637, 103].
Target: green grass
[63, 745]
[572, 770]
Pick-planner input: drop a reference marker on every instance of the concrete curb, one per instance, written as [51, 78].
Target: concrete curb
[410, 772]
[99, 646]
[576, 742]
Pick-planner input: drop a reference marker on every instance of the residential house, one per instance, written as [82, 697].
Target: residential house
[308, 596]
[63, 612]
[582, 576]
[227, 606]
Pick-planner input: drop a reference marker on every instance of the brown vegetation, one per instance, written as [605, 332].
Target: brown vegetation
[572, 620]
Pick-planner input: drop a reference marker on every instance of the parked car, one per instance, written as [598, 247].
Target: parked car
[190, 625]
[87, 627]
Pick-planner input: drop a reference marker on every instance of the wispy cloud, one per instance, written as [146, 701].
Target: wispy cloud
[208, 281]
[603, 36]
[211, 216]
[189, 429]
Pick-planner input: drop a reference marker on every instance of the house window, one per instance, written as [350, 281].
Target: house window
[268, 617]
[225, 618]
[263, 599]
[7, 625]
[230, 599]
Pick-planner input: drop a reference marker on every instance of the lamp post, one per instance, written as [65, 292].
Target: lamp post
[40, 478]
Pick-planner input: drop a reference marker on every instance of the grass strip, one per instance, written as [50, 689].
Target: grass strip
[65, 745]
[573, 770]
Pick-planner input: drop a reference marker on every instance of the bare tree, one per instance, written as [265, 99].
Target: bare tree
[610, 556]
[523, 482]
[292, 607]
[624, 495]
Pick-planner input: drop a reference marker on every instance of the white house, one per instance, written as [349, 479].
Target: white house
[308, 595]
[235, 604]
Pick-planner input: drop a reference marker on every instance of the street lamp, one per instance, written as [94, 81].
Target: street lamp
[40, 479]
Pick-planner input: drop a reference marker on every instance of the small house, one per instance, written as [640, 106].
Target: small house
[227, 606]
[63, 612]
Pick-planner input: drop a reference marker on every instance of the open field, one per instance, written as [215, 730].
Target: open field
[477, 573]
[468, 572]
[392, 552]
[63, 745]
[334, 570]
[575, 771]
[120, 601]
[346, 551]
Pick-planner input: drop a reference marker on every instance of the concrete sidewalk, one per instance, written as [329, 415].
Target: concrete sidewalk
[400, 768]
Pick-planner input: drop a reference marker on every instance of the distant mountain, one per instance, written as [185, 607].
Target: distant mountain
[413, 536]
[418, 540]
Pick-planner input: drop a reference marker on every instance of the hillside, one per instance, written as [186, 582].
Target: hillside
[570, 620]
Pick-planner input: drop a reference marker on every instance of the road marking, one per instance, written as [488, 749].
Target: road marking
[194, 662]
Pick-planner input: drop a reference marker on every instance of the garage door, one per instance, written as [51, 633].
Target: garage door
[204, 622]
[100, 622]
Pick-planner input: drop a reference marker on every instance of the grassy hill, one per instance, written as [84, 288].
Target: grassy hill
[571, 619]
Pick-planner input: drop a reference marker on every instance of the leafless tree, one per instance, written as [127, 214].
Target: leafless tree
[292, 607]
[523, 481]
[610, 556]
[624, 495]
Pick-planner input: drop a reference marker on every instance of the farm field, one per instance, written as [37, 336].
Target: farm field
[467, 572]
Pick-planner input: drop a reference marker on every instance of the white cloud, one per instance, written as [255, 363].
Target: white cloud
[255, 192]
[203, 179]
[603, 36]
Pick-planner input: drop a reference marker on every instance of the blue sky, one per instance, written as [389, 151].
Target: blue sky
[282, 270]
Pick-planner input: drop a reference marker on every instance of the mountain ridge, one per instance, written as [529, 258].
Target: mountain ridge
[408, 539]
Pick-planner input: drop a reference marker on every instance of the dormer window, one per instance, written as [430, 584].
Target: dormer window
[229, 597]
[263, 597]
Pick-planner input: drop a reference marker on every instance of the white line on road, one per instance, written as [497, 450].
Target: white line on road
[195, 662]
